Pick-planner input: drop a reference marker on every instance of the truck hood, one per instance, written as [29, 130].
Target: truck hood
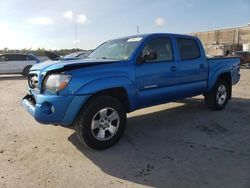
[70, 64]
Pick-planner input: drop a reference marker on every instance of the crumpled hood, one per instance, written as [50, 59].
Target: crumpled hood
[69, 64]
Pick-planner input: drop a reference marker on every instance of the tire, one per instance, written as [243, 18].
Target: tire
[26, 70]
[91, 127]
[218, 98]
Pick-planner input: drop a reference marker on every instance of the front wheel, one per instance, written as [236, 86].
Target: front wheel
[218, 98]
[101, 123]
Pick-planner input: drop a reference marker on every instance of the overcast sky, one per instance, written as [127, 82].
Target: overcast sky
[51, 23]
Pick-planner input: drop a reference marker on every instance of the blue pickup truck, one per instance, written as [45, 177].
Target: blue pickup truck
[123, 75]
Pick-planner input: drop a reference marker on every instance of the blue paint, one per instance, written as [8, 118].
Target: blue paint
[146, 84]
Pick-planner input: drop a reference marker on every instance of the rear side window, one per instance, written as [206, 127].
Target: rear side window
[30, 58]
[23, 57]
[16, 57]
[163, 48]
[188, 49]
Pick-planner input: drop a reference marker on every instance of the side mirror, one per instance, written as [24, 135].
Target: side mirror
[150, 55]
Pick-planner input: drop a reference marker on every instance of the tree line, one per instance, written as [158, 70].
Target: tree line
[40, 51]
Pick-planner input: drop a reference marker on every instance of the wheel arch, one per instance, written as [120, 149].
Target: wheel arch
[120, 93]
[224, 76]
[27, 67]
[119, 87]
[228, 78]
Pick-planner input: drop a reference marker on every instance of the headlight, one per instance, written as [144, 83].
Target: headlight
[56, 82]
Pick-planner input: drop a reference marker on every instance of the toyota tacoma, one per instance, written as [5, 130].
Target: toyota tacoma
[123, 75]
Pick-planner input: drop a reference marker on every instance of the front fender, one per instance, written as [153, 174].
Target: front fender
[101, 84]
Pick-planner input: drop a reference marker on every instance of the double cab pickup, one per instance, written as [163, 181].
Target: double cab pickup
[122, 75]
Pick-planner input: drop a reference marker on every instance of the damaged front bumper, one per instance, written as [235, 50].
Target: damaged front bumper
[29, 104]
[54, 109]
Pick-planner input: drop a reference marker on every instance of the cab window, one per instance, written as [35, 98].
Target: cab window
[163, 48]
[188, 49]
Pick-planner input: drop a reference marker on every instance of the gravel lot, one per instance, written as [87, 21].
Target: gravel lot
[180, 144]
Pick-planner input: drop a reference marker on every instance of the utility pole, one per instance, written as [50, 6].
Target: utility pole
[138, 30]
[76, 41]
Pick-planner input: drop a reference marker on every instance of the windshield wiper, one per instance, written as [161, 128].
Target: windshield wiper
[108, 58]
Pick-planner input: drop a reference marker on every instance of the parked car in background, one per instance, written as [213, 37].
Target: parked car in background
[73, 56]
[81, 54]
[17, 63]
[123, 75]
[243, 55]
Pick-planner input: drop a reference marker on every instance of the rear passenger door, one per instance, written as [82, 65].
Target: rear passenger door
[193, 69]
[18, 62]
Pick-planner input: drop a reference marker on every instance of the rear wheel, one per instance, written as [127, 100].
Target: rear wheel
[26, 71]
[218, 98]
[101, 123]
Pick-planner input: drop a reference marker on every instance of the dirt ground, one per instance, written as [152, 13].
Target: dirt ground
[180, 144]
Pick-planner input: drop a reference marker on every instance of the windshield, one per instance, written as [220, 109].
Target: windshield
[120, 49]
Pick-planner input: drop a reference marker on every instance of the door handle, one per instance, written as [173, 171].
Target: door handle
[202, 66]
[173, 68]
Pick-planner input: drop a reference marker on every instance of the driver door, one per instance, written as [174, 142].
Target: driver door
[156, 79]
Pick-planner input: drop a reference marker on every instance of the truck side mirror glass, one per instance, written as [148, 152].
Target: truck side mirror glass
[149, 56]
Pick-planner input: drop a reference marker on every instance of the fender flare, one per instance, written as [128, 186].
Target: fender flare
[105, 83]
[214, 77]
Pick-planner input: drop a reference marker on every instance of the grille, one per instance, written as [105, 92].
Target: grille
[33, 81]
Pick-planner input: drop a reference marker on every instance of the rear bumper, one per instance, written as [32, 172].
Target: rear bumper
[54, 109]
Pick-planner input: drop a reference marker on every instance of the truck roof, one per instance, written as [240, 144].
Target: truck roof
[157, 34]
